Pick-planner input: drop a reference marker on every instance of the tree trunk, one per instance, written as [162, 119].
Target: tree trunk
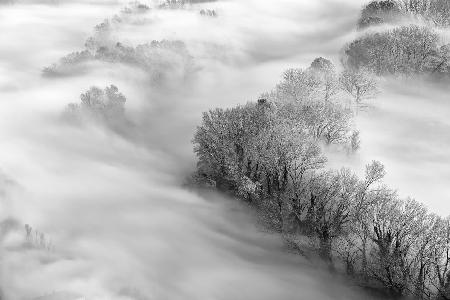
[325, 248]
[364, 259]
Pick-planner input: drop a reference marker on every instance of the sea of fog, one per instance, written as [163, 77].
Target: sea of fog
[113, 204]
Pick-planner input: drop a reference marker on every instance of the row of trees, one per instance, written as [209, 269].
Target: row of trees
[161, 60]
[269, 154]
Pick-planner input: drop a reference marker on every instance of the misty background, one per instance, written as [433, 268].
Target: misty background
[112, 202]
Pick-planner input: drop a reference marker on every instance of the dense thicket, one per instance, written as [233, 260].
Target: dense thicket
[269, 153]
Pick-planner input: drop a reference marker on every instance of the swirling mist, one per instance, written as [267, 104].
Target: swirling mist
[112, 203]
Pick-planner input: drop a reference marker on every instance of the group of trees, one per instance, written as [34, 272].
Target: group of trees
[106, 106]
[239, 146]
[159, 59]
[322, 83]
[391, 11]
[208, 13]
[354, 224]
[164, 61]
[403, 50]
[269, 154]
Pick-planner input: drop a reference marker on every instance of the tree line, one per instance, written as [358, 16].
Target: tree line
[269, 153]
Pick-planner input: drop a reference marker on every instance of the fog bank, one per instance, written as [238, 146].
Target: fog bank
[113, 205]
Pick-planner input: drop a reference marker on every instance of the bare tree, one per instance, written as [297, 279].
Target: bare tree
[361, 85]
[297, 85]
[424, 247]
[329, 122]
[331, 207]
[361, 228]
[284, 153]
[326, 73]
[440, 256]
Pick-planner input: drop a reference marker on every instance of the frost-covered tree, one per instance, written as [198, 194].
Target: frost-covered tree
[326, 73]
[360, 84]
[326, 208]
[223, 142]
[297, 85]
